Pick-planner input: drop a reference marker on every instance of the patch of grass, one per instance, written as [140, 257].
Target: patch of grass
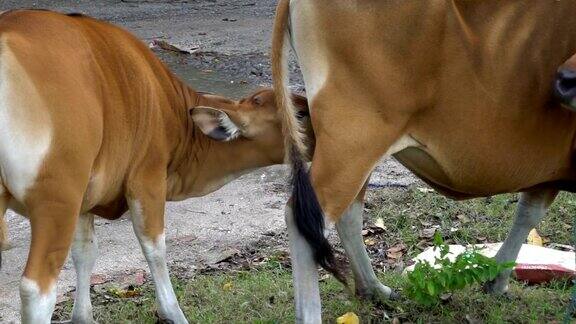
[407, 213]
[264, 295]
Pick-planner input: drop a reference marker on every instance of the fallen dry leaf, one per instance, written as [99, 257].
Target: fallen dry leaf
[129, 292]
[227, 286]
[394, 255]
[370, 241]
[397, 248]
[348, 318]
[534, 238]
[380, 223]
[370, 230]
[158, 43]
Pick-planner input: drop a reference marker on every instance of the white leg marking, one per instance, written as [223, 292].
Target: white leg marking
[531, 208]
[350, 231]
[155, 253]
[84, 253]
[25, 127]
[36, 307]
[304, 275]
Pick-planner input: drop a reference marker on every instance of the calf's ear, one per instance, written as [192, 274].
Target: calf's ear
[215, 123]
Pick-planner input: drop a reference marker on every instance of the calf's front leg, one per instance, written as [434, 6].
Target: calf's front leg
[84, 253]
[531, 208]
[147, 210]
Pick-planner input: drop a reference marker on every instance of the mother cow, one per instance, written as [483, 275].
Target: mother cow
[458, 91]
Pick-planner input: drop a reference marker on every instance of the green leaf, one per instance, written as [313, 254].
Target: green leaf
[431, 288]
[508, 265]
[438, 241]
[494, 271]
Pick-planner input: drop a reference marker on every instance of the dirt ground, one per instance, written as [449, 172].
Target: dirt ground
[232, 37]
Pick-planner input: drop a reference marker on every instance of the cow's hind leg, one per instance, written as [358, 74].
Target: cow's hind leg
[304, 274]
[84, 253]
[531, 208]
[341, 165]
[349, 229]
[336, 189]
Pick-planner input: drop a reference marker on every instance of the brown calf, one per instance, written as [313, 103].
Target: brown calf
[458, 91]
[92, 123]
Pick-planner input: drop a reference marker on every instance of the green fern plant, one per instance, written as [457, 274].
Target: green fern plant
[426, 283]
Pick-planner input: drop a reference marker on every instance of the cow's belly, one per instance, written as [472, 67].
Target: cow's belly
[472, 167]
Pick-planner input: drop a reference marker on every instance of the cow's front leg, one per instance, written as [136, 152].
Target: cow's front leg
[349, 228]
[531, 208]
[146, 204]
[84, 253]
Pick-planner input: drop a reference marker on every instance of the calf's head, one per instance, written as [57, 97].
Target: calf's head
[253, 121]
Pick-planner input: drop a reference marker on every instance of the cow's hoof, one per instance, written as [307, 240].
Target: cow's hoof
[178, 318]
[377, 293]
[497, 286]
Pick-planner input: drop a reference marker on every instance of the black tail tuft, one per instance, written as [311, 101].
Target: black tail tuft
[309, 219]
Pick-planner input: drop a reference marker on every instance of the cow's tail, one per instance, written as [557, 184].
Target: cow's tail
[308, 215]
